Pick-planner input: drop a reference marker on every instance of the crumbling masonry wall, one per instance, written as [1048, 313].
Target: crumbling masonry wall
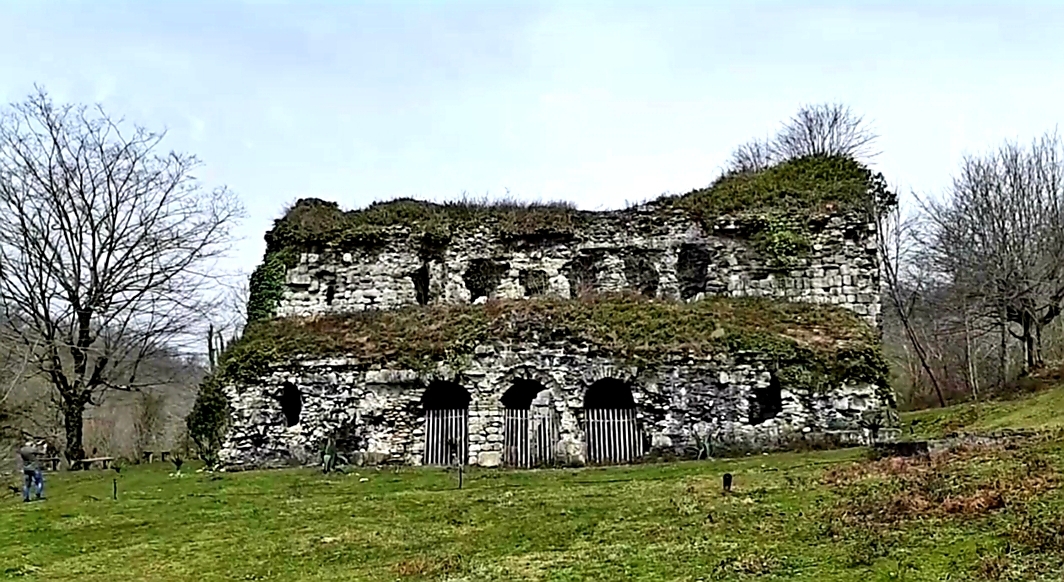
[658, 252]
[375, 414]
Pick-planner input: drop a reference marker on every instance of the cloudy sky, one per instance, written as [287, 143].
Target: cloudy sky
[593, 102]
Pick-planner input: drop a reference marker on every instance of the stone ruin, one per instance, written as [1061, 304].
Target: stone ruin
[528, 394]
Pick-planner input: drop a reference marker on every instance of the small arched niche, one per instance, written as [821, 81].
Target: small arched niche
[291, 403]
[766, 402]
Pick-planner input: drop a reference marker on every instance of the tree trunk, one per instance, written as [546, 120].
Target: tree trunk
[73, 412]
[973, 376]
[1032, 355]
[1003, 352]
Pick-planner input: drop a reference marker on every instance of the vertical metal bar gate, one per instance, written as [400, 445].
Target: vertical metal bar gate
[612, 435]
[529, 437]
[443, 427]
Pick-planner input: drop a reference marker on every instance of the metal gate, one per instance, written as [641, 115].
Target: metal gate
[612, 435]
[442, 429]
[529, 437]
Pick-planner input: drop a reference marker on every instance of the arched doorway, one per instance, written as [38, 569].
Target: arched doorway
[446, 407]
[610, 424]
[530, 430]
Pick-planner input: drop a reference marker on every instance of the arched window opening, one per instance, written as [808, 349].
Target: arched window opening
[610, 423]
[522, 393]
[443, 395]
[609, 393]
[291, 403]
[446, 406]
[530, 427]
[766, 402]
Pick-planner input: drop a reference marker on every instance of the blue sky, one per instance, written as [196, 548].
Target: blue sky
[593, 102]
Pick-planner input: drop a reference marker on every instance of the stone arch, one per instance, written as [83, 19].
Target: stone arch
[528, 373]
[531, 427]
[611, 426]
[522, 392]
[609, 393]
[532, 402]
[446, 407]
[604, 371]
[445, 395]
[291, 400]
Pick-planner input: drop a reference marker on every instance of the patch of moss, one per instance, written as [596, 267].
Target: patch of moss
[830, 344]
[314, 223]
[811, 183]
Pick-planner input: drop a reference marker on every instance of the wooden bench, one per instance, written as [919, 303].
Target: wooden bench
[52, 462]
[87, 463]
[149, 456]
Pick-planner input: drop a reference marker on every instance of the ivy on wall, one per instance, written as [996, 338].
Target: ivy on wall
[266, 287]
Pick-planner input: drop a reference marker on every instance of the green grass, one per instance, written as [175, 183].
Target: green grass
[783, 521]
[1040, 411]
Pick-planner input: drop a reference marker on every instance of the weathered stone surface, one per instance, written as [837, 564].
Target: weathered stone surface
[647, 250]
[378, 413]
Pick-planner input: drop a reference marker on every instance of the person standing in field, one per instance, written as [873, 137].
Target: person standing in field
[31, 471]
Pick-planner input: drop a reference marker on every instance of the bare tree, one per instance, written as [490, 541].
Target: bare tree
[999, 237]
[897, 245]
[106, 247]
[828, 129]
[752, 156]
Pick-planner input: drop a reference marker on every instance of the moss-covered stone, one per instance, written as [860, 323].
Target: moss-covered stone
[808, 184]
[830, 344]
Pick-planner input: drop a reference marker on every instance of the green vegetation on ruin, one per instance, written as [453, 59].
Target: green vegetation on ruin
[317, 224]
[803, 185]
[991, 514]
[814, 345]
[809, 184]
[776, 204]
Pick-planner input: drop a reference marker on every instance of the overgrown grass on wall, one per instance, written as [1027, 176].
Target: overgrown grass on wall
[827, 344]
[777, 203]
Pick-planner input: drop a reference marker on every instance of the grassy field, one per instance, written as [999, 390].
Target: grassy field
[992, 514]
[971, 514]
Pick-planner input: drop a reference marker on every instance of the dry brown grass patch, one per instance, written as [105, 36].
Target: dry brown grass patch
[968, 481]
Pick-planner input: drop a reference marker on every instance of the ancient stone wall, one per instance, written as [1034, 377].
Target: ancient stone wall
[377, 416]
[660, 253]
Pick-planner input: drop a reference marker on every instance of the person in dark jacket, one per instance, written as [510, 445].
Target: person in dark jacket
[31, 471]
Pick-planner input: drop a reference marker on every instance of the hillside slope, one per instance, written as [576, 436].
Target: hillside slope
[1039, 411]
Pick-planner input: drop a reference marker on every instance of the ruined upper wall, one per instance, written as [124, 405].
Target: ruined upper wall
[801, 232]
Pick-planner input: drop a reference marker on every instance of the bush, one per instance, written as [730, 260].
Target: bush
[209, 420]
